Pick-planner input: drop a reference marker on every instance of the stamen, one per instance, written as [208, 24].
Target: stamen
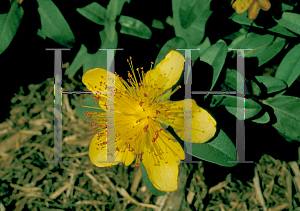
[151, 65]
[167, 97]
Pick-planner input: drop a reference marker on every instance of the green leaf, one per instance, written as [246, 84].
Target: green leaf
[78, 61]
[289, 68]
[290, 21]
[134, 27]
[148, 183]
[99, 59]
[91, 60]
[243, 19]
[157, 24]
[219, 151]
[215, 56]
[54, 25]
[271, 83]
[287, 112]
[41, 34]
[200, 50]
[120, 5]
[235, 35]
[93, 12]
[91, 102]
[232, 77]
[264, 47]
[96, 60]
[203, 46]
[265, 118]
[112, 10]
[9, 24]
[172, 44]
[250, 109]
[110, 29]
[106, 43]
[186, 13]
[256, 89]
[286, 7]
[288, 139]
[192, 14]
[237, 40]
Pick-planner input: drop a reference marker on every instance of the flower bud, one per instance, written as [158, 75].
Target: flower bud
[253, 10]
[241, 6]
[264, 4]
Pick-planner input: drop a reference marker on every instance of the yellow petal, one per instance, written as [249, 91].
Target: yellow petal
[98, 151]
[167, 72]
[160, 158]
[203, 124]
[96, 81]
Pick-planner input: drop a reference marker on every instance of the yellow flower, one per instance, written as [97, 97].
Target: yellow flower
[140, 110]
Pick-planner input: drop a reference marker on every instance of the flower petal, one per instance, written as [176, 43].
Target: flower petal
[167, 72]
[96, 81]
[203, 124]
[98, 151]
[160, 158]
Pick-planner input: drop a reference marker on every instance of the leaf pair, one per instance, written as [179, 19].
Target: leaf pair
[102, 16]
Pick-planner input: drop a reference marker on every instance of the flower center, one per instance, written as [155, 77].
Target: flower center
[141, 113]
